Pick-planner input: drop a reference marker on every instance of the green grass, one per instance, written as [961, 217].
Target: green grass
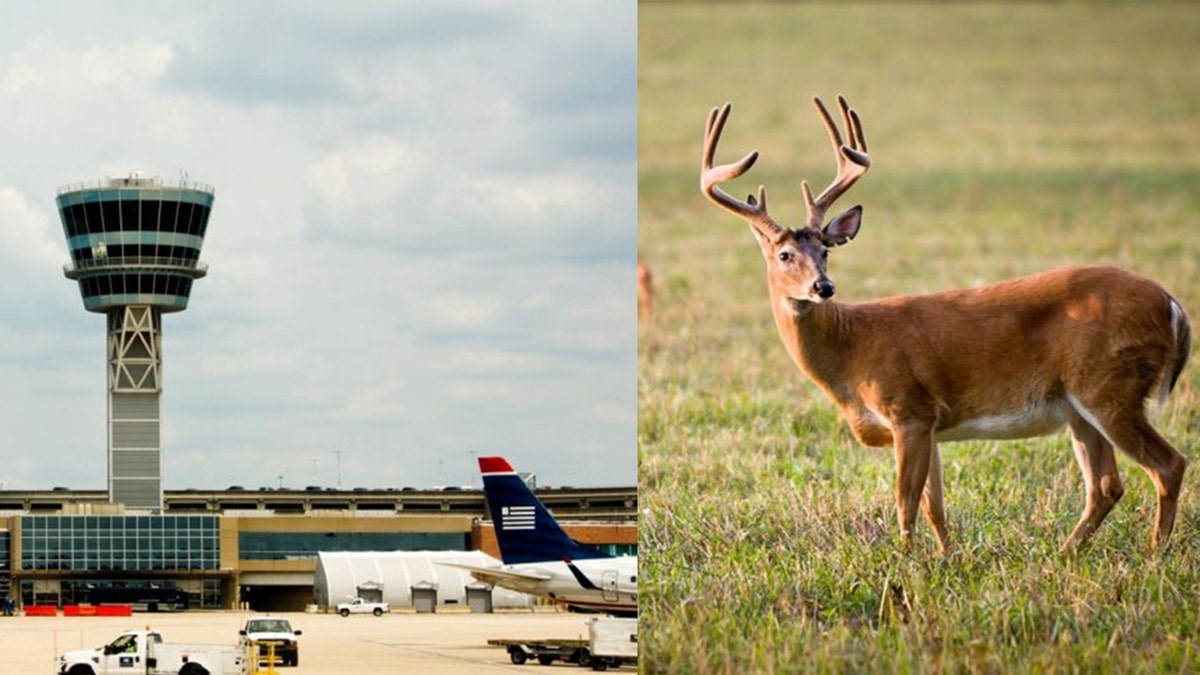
[1007, 138]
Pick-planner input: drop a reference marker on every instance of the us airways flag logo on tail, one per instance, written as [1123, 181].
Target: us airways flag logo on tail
[525, 530]
[516, 517]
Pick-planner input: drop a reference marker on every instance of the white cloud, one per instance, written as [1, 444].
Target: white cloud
[455, 310]
[362, 186]
[27, 232]
[43, 65]
[123, 64]
[471, 390]
[492, 361]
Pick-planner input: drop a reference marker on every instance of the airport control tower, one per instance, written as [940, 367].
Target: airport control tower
[135, 248]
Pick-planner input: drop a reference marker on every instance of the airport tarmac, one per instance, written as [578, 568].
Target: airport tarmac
[444, 642]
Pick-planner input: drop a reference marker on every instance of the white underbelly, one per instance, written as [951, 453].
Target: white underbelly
[1036, 421]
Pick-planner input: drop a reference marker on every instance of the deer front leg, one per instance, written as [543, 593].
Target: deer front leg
[1101, 480]
[914, 453]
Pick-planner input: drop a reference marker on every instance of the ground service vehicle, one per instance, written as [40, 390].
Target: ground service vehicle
[143, 652]
[272, 634]
[360, 606]
[612, 642]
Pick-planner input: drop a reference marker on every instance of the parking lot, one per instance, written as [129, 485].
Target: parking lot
[330, 644]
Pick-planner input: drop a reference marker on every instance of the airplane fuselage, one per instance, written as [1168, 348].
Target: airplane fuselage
[602, 584]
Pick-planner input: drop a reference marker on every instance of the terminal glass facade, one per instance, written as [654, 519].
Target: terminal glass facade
[5, 567]
[617, 549]
[119, 543]
[304, 545]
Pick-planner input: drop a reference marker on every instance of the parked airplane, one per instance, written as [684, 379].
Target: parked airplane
[540, 559]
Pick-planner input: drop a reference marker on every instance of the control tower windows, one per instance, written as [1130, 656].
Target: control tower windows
[182, 217]
[167, 216]
[140, 284]
[110, 215]
[150, 209]
[131, 217]
[204, 211]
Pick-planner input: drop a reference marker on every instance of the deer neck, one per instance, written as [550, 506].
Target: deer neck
[816, 336]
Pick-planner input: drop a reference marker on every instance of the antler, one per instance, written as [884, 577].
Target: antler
[754, 211]
[852, 160]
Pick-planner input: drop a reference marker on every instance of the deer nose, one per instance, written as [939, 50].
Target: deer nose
[823, 288]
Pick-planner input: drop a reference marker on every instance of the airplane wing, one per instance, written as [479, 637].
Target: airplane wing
[497, 577]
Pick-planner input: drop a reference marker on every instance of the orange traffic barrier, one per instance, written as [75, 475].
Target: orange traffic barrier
[97, 610]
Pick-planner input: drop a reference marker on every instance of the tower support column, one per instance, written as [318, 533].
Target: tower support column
[135, 407]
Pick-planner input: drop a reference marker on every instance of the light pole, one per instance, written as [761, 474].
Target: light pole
[339, 468]
[472, 454]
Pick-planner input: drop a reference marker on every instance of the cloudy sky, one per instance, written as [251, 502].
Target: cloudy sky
[422, 246]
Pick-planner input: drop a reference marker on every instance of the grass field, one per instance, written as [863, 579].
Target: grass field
[1007, 138]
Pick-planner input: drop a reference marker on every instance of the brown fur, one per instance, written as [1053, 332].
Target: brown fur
[953, 356]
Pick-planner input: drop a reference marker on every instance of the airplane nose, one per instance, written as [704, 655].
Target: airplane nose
[823, 288]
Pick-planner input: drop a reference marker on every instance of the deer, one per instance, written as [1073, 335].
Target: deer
[645, 289]
[1083, 347]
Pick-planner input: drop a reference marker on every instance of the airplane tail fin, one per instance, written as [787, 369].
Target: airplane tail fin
[525, 530]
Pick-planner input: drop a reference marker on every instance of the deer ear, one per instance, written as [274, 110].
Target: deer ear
[763, 242]
[843, 227]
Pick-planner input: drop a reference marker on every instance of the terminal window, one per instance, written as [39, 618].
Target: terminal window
[305, 545]
[119, 543]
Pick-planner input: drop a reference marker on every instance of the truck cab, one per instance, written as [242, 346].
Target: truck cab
[125, 654]
[272, 635]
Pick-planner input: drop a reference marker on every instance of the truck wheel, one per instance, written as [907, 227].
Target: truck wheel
[344, 612]
[516, 654]
[80, 670]
[377, 612]
[193, 669]
[599, 664]
[545, 659]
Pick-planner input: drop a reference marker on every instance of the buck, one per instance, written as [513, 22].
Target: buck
[1082, 347]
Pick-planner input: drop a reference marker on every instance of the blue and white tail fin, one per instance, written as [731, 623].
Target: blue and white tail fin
[525, 530]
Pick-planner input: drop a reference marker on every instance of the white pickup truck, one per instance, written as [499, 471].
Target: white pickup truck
[360, 606]
[272, 634]
[144, 652]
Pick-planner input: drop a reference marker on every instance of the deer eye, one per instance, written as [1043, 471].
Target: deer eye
[784, 256]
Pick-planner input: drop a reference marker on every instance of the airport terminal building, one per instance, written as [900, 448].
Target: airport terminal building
[256, 549]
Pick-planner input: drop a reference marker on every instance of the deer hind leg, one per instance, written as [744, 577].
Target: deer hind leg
[931, 500]
[1100, 479]
[1128, 429]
